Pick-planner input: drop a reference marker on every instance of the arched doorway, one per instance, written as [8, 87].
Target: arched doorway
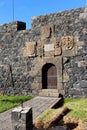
[49, 76]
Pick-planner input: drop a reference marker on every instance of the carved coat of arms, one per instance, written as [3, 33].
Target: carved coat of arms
[67, 42]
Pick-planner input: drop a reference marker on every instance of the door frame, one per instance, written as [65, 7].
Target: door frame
[45, 76]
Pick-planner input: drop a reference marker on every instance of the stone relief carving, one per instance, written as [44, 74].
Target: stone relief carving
[47, 31]
[53, 46]
[40, 49]
[48, 47]
[58, 49]
[67, 42]
[30, 49]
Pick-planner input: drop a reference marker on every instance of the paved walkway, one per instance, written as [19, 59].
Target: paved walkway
[38, 104]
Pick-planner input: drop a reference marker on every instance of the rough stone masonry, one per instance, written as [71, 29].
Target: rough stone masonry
[22, 119]
[51, 55]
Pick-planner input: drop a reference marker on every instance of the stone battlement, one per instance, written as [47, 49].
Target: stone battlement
[12, 27]
[58, 18]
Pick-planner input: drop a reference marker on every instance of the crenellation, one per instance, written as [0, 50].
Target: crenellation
[12, 27]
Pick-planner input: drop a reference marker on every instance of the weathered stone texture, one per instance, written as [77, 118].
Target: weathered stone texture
[47, 31]
[22, 119]
[12, 27]
[30, 49]
[59, 39]
[66, 22]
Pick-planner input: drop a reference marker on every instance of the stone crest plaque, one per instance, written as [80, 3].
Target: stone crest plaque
[30, 49]
[47, 31]
[67, 42]
[48, 47]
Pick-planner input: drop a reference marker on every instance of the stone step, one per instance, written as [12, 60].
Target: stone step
[49, 93]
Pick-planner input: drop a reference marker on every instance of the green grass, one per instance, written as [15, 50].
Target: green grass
[78, 109]
[76, 118]
[8, 102]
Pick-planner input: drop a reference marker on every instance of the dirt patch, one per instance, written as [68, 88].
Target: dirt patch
[76, 119]
[70, 123]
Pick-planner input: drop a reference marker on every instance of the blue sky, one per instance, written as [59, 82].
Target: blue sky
[24, 10]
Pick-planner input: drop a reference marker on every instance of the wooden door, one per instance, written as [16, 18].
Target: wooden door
[52, 77]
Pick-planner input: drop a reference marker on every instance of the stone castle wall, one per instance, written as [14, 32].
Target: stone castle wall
[58, 38]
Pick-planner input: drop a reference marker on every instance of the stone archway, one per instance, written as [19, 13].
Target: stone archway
[49, 76]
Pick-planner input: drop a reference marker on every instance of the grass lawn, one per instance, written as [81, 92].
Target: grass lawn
[77, 115]
[8, 102]
[78, 108]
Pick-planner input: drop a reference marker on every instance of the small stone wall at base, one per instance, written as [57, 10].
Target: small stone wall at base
[22, 119]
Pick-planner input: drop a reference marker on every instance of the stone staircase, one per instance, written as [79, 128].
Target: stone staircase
[49, 93]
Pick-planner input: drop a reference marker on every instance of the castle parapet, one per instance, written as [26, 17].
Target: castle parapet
[12, 27]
